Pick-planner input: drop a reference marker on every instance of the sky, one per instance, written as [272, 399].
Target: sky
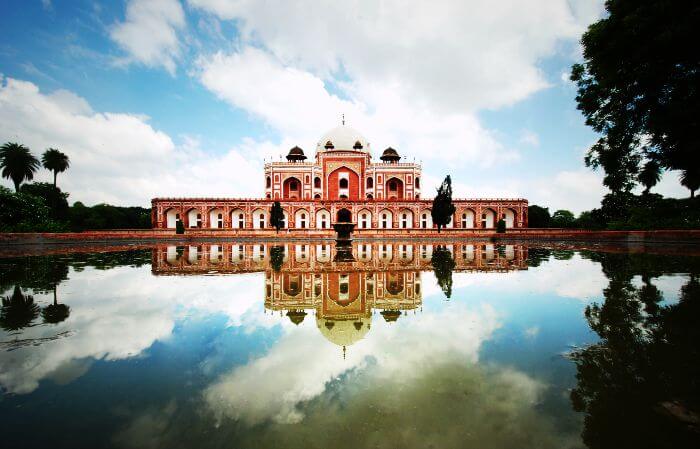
[171, 98]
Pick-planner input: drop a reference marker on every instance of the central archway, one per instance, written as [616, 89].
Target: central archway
[344, 216]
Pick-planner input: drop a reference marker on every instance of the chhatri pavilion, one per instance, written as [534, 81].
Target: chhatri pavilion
[380, 195]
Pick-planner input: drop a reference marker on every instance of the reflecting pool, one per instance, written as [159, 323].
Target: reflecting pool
[378, 345]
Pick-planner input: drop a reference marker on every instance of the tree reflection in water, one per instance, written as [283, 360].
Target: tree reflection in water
[18, 311]
[639, 385]
[443, 264]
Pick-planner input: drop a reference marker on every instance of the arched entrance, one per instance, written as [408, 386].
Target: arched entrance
[394, 189]
[323, 219]
[364, 219]
[171, 218]
[343, 183]
[509, 217]
[405, 219]
[467, 218]
[237, 219]
[344, 216]
[216, 218]
[488, 218]
[291, 188]
[194, 218]
[301, 219]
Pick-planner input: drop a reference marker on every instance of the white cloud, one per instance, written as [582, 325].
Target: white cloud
[530, 138]
[446, 55]
[149, 34]
[120, 158]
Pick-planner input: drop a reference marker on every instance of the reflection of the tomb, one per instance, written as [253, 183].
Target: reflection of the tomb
[340, 292]
[231, 258]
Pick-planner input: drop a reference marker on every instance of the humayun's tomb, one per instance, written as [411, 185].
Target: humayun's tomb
[380, 196]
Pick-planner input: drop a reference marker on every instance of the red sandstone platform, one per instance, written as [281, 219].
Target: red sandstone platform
[527, 234]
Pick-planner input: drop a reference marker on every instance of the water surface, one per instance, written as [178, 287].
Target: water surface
[389, 345]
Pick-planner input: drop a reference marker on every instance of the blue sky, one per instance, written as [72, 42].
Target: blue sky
[186, 98]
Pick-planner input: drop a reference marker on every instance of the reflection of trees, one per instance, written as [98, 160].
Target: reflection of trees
[443, 264]
[55, 313]
[639, 386]
[18, 310]
[277, 257]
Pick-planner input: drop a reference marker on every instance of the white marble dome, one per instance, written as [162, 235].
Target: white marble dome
[343, 138]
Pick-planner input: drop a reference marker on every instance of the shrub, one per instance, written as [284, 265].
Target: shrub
[179, 227]
[501, 226]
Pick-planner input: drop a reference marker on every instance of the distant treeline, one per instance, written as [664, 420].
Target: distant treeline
[624, 212]
[41, 207]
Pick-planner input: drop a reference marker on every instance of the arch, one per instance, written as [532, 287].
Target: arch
[394, 189]
[268, 182]
[323, 219]
[260, 219]
[394, 283]
[291, 188]
[344, 216]
[171, 218]
[216, 218]
[370, 196]
[333, 186]
[302, 219]
[364, 219]
[317, 182]
[237, 219]
[343, 183]
[194, 218]
[291, 284]
[323, 252]
[509, 215]
[370, 183]
[466, 218]
[488, 218]
[317, 196]
[426, 219]
[385, 219]
[405, 218]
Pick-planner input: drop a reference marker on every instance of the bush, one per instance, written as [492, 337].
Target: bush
[179, 227]
[22, 212]
[538, 217]
[501, 226]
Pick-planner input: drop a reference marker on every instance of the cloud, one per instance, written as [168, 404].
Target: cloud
[447, 55]
[530, 138]
[120, 158]
[149, 34]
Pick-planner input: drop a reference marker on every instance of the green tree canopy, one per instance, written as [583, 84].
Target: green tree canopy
[650, 175]
[443, 209]
[276, 216]
[563, 219]
[17, 163]
[638, 87]
[56, 161]
[538, 216]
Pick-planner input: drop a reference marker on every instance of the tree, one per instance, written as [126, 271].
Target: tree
[638, 85]
[277, 257]
[17, 163]
[538, 217]
[276, 216]
[650, 175]
[56, 200]
[690, 179]
[443, 209]
[18, 311]
[55, 313]
[54, 160]
[563, 219]
[443, 264]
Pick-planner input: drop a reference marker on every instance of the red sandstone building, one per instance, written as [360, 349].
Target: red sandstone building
[380, 195]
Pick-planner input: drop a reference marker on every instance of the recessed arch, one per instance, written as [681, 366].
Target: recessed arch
[488, 218]
[393, 188]
[466, 218]
[405, 218]
[260, 219]
[385, 219]
[323, 219]
[172, 216]
[425, 219]
[238, 219]
[194, 218]
[509, 216]
[291, 188]
[301, 219]
[344, 216]
[216, 218]
[364, 219]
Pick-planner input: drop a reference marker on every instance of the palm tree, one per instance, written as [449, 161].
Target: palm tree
[17, 311]
[55, 313]
[54, 160]
[650, 175]
[690, 179]
[17, 163]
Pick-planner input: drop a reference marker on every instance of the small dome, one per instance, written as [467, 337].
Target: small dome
[296, 154]
[342, 138]
[390, 154]
[296, 316]
[390, 315]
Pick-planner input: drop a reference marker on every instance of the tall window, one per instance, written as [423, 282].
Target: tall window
[293, 184]
[220, 221]
[317, 182]
[370, 183]
[424, 221]
[417, 183]
[268, 182]
[241, 222]
[392, 186]
[261, 220]
[385, 221]
[343, 184]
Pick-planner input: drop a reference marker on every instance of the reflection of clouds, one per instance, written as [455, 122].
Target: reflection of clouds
[669, 285]
[301, 364]
[120, 312]
[577, 278]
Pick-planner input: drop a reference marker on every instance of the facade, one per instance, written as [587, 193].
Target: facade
[384, 194]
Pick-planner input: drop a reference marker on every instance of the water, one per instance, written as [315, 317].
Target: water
[385, 345]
